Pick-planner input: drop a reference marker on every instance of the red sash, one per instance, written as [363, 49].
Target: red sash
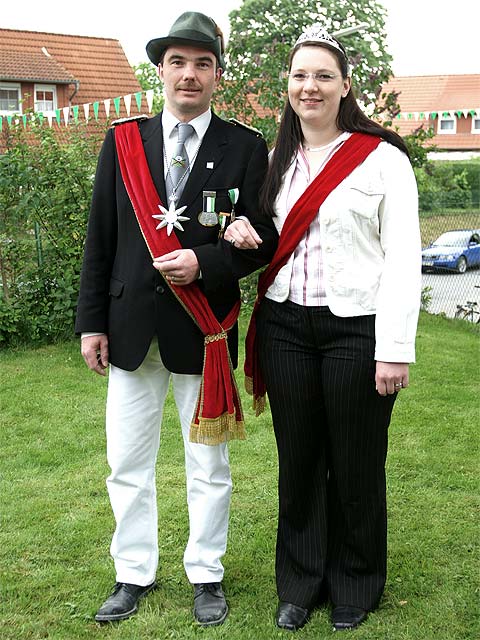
[218, 415]
[352, 153]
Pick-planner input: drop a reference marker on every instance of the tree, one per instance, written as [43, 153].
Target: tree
[262, 34]
[147, 76]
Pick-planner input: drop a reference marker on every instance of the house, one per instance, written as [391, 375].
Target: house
[48, 72]
[449, 103]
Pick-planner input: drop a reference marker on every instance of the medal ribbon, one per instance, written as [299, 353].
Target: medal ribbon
[218, 415]
[351, 154]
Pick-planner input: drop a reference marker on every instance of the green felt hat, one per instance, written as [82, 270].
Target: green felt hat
[190, 29]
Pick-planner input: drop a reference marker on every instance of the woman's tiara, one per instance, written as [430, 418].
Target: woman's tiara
[317, 33]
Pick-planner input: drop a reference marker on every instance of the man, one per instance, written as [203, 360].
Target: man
[158, 282]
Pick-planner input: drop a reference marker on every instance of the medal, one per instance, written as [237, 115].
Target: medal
[171, 217]
[208, 217]
[233, 195]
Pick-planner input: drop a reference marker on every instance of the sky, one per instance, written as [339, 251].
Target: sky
[425, 37]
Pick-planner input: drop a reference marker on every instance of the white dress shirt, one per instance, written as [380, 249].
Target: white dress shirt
[192, 143]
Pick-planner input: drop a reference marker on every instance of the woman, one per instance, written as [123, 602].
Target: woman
[332, 332]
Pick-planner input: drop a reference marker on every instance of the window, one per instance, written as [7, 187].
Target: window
[476, 124]
[10, 101]
[446, 124]
[45, 98]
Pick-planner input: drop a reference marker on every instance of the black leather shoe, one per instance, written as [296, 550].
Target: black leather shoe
[210, 607]
[345, 617]
[123, 602]
[291, 616]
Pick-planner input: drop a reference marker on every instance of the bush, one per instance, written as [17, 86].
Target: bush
[45, 190]
[442, 187]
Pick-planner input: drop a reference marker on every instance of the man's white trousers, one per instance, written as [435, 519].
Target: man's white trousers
[134, 415]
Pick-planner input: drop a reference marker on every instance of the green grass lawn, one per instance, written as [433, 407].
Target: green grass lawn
[56, 524]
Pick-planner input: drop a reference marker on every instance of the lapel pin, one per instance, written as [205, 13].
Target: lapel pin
[209, 165]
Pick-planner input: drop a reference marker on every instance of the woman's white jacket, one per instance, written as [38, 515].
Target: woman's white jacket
[371, 250]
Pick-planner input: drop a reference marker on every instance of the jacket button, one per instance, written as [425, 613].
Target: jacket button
[159, 289]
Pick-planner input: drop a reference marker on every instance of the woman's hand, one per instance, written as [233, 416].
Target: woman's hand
[391, 377]
[242, 235]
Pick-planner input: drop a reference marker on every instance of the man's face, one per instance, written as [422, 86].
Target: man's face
[189, 76]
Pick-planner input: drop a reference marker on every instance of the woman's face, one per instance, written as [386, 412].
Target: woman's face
[316, 101]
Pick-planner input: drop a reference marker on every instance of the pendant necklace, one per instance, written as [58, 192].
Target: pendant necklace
[172, 217]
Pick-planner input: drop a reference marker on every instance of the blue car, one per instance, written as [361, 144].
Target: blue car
[456, 250]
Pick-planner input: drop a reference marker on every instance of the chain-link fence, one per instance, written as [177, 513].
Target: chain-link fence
[450, 259]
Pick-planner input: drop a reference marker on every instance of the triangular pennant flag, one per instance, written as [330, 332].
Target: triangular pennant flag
[106, 104]
[95, 109]
[116, 103]
[138, 99]
[75, 112]
[24, 118]
[86, 110]
[57, 115]
[434, 115]
[128, 103]
[459, 113]
[1, 123]
[149, 96]
[9, 120]
[66, 114]
[41, 117]
[422, 116]
[465, 113]
[50, 119]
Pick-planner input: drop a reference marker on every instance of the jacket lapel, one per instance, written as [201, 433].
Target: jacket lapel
[209, 158]
[152, 137]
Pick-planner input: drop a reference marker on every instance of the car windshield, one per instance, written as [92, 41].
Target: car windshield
[452, 239]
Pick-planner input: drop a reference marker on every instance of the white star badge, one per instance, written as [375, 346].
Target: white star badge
[171, 217]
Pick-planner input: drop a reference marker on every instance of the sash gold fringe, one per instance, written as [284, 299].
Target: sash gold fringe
[258, 402]
[214, 431]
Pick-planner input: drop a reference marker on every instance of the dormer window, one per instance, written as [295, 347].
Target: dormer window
[45, 98]
[446, 124]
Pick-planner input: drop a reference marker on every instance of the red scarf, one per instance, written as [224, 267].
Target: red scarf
[218, 415]
[351, 154]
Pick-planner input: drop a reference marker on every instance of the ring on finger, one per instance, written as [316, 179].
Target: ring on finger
[232, 242]
[398, 385]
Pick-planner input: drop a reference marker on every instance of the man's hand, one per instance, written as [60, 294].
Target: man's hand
[242, 235]
[180, 267]
[95, 353]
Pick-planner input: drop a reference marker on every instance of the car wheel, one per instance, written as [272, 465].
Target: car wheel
[461, 264]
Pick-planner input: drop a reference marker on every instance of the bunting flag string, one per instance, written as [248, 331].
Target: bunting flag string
[72, 114]
[439, 113]
[66, 115]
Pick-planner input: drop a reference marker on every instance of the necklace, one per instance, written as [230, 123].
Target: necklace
[173, 197]
[322, 148]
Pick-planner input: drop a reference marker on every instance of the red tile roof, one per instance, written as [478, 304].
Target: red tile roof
[99, 64]
[32, 67]
[436, 94]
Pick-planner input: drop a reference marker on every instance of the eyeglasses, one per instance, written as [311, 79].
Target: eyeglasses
[318, 76]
